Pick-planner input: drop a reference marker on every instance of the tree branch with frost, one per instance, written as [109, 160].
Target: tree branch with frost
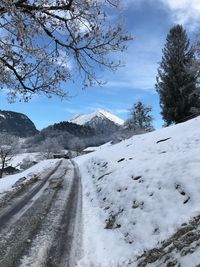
[35, 33]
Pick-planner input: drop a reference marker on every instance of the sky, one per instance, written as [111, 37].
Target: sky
[148, 21]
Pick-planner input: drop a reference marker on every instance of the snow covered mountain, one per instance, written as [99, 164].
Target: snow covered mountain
[141, 200]
[100, 120]
[82, 119]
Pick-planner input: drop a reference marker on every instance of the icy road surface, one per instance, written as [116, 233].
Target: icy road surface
[38, 221]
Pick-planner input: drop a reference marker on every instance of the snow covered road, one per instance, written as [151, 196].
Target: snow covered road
[37, 223]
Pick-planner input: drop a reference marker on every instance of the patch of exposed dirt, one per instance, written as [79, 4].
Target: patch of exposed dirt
[184, 242]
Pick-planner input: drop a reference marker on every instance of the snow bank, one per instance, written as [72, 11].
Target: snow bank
[7, 182]
[138, 192]
[18, 159]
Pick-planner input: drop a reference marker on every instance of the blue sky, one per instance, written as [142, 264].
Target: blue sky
[149, 22]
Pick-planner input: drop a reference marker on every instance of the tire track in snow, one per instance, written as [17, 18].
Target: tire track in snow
[20, 203]
[63, 250]
[16, 237]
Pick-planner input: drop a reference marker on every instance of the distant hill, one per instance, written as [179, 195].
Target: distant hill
[101, 121]
[17, 124]
[89, 130]
[64, 133]
[71, 128]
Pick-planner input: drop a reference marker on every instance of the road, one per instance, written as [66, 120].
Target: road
[40, 225]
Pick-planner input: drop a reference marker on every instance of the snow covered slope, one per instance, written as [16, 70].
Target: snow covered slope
[82, 119]
[138, 193]
[7, 182]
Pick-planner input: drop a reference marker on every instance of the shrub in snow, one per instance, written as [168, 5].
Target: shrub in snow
[26, 163]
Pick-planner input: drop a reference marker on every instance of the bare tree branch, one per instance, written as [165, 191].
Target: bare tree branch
[40, 38]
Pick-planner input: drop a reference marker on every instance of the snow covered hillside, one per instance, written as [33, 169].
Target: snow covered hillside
[138, 193]
[18, 159]
[83, 119]
[8, 182]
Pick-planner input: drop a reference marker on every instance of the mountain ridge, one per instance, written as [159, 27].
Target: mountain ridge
[82, 119]
[102, 121]
[16, 123]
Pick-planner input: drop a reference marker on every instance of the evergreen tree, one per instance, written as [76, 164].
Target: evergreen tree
[140, 117]
[176, 81]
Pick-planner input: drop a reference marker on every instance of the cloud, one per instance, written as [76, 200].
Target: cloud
[186, 12]
[145, 52]
[136, 76]
[72, 110]
[121, 111]
[141, 63]
[84, 109]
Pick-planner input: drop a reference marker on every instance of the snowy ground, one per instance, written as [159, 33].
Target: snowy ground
[45, 211]
[7, 182]
[17, 160]
[138, 193]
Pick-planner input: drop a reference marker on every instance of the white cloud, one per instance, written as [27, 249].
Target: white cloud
[136, 76]
[84, 109]
[72, 110]
[186, 12]
[145, 51]
[141, 63]
[121, 111]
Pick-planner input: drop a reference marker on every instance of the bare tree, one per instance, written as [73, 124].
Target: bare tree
[8, 148]
[50, 146]
[40, 40]
[76, 144]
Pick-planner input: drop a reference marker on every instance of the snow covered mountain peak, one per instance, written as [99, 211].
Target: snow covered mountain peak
[83, 119]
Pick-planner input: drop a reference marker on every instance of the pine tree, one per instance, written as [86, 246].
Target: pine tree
[176, 81]
[140, 117]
